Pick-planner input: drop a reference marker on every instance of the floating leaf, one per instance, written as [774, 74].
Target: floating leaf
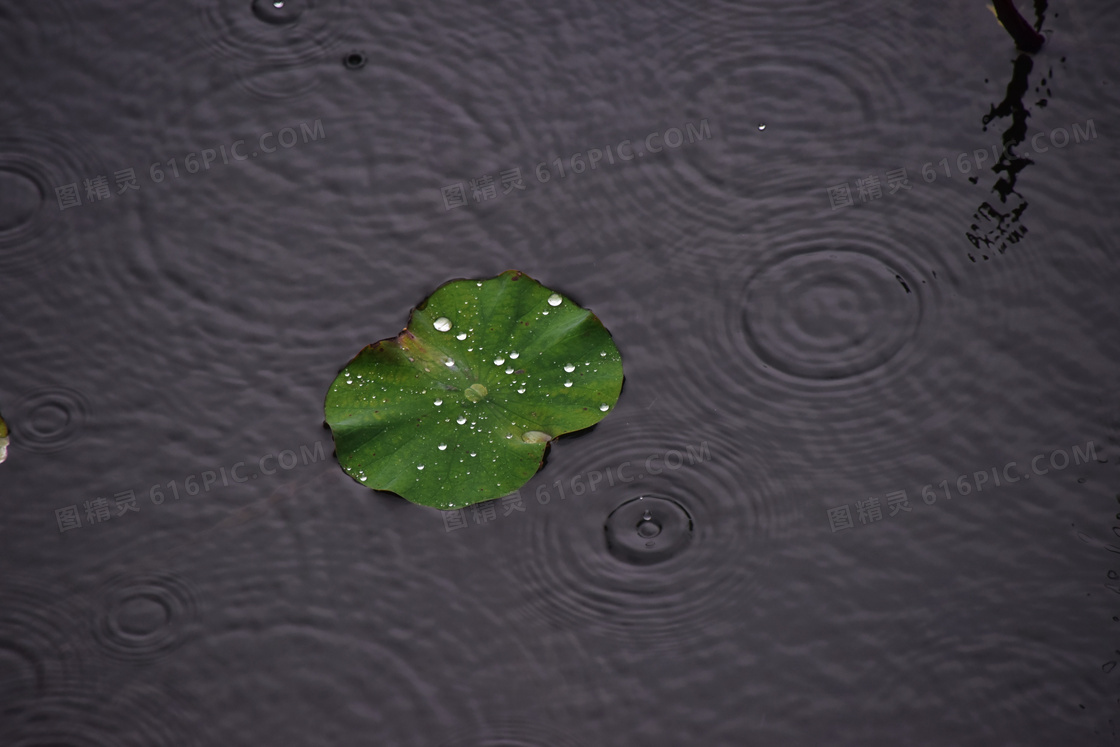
[460, 407]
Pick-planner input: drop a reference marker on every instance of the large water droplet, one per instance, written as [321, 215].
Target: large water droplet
[442, 447]
[442, 324]
[514, 355]
[604, 407]
[567, 383]
[461, 336]
[648, 530]
[555, 299]
[569, 368]
[439, 402]
[419, 466]
[461, 419]
[499, 361]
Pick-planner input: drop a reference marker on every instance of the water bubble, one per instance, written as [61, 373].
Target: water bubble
[604, 407]
[499, 361]
[461, 419]
[442, 324]
[554, 299]
[569, 368]
[442, 447]
[567, 383]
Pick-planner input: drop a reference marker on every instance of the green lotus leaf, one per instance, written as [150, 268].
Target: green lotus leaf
[460, 407]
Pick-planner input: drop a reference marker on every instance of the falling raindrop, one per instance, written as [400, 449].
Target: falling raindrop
[554, 299]
[442, 324]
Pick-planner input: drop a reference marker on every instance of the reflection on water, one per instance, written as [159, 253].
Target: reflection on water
[993, 227]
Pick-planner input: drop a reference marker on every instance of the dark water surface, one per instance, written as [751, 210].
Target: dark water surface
[800, 527]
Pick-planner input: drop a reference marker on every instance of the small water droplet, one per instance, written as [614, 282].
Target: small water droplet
[499, 361]
[419, 466]
[442, 324]
[473, 454]
[461, 336]
[439, 402]
[604, 407]
[461, 419]
[603, 354]
[362, 478]
[443, 447]
[554, 299]
[514, 355]
[569, 368]
[567, 383]
[521, 390]
[761, 126]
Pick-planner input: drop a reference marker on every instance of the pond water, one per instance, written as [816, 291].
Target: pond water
[861, 485]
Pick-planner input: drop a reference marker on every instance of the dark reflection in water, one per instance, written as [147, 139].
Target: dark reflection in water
[993, 227]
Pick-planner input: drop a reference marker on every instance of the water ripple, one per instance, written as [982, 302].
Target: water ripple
[35, 232]
[142, 618]
[49, 419]
[133, 714]
[847, 334]
[40, 642]
[587, 567]
[272, 32]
